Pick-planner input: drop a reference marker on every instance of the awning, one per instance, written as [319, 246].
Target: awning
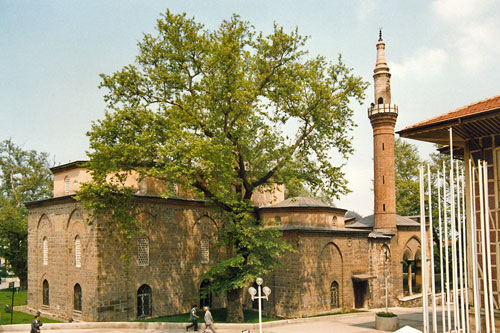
[363, 277]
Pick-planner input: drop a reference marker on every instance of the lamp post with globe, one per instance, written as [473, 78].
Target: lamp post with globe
[252, 291]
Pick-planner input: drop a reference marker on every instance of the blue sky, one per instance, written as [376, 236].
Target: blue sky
[443, 54]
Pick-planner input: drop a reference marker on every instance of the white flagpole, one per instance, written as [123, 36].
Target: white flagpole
[431, 242]
[465, 252]
[488, 244]
[424, 252]
[483, 247]
[447, 258]
[443, 307]
[453, 237]
[460, 253]
[475, 277]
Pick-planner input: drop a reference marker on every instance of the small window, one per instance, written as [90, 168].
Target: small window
[383, 146]
[78, 252]
[383, 179]
[77, 298]
[143, 251]
[144, 296]
[380, 100]
[383, 207]
[45, 291]
[334, 221]
[66, 185]
[45, 251]
[205, 250]
[334, 295]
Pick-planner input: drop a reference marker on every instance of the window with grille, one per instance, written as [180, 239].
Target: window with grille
[45, 291]
[143, 251]
[77, 297]
[78, 252]
[66, 185]
[205, 250]
[45, 251]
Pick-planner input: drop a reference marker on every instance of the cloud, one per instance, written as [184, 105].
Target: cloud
[364, 8]
[452, 10]
[474, 30]
[424, 64]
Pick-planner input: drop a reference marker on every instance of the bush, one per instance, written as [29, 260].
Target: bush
[386, 314]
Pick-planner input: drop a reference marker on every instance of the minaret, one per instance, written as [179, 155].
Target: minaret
[383, 117]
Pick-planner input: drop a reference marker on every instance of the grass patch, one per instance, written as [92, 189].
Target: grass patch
[219, 316]
[18, 317]
[386, 314]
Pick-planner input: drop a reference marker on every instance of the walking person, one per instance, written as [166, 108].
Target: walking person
[194, 318]
[209, 321]
[36, 324]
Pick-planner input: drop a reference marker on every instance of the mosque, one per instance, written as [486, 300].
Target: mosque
[75, 270]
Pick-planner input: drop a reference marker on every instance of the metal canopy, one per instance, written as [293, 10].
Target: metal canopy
[464, 128]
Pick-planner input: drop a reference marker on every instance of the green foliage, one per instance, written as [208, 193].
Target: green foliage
[222, 113]
[386, 314]
[24, 176]
[407, 162]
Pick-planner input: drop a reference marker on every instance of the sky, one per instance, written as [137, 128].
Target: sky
[443, 54]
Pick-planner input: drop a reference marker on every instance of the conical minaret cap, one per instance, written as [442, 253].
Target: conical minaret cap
[381, 65]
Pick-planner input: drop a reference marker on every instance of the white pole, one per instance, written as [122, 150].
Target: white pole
[475, 277]
[483, 243]
[260, 308]
[441, 254]
[465, 252]
[447, 258]
[488, 244]
[424, 252]
[460, 254]
[431, 242]
[453, 237]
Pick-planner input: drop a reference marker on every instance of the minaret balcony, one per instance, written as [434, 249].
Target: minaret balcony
[382, 109]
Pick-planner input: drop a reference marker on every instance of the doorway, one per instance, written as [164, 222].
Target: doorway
[360, 294]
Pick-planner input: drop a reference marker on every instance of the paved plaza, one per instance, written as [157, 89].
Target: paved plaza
[355, 322]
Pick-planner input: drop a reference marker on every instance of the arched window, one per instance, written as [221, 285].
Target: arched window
[45, 251]
[144, 301]
[66, 185]
[334, 221]
[45, 293]
[205, 294]
[77, 298]
[380, 100]
[143, 251]
[78, 252]
[205, 250]
[334, 295]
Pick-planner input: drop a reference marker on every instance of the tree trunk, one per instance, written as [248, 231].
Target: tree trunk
[234, 306]
[23, 283]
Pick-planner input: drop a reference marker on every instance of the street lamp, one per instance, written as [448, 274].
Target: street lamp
[252, 291]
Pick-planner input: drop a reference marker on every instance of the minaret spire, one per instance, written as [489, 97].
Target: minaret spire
[383, 117]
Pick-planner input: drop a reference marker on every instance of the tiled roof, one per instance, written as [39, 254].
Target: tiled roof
[301, 202]
[488, 104]
[367, 222]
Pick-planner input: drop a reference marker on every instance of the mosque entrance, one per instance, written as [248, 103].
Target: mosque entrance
[360, 293]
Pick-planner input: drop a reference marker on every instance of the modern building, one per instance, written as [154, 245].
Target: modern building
[476, 136]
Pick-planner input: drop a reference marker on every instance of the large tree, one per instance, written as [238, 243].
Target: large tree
[24, 176]
[223, 112]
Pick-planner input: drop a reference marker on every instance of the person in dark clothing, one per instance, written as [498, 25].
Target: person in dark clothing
[194, 318]
[36, 324]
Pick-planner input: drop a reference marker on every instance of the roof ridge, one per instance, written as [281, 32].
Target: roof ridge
[449, 113]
